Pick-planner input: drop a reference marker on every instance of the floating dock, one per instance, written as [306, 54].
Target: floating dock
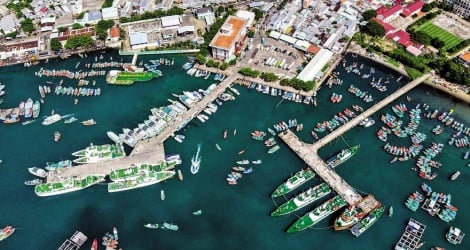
[410, 238]
[74, 242]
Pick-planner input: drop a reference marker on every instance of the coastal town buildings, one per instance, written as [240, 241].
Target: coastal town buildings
[314, 69]
[460, 7]
[229, 40]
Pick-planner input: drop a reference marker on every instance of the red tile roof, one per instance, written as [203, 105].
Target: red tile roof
[388, 12]
[388, 28]
[312, 49]
[114, 32]
[402, 37]
[412, 8]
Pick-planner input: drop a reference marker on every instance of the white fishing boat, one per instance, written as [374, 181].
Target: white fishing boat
[70, 120]
[51, 119]
[39, 172]
[89, 122]
[162, 195]
[115, 138]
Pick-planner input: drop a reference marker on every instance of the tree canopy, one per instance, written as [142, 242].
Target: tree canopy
[27, 25]
[102, 27]
[369, 14]
[249, 72]
[373, 28]
[79, 41]
[55, 45]
[421, 37]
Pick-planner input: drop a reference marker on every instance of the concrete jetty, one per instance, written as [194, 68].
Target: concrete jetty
[352, 123]
[134, 58]
[308, 152]
[152, 150]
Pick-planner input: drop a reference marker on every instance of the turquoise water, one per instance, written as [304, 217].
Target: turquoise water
[234, 217]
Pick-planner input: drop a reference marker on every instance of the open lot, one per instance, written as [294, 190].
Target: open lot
[434, 31]
[453, 24]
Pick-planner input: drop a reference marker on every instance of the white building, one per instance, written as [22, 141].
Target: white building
[110, 13]
[229, 40]
[460, 7]
[313, 69]
[9, 24]
[171, 21]
[248, 15]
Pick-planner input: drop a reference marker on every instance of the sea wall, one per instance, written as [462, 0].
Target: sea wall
[158, 52]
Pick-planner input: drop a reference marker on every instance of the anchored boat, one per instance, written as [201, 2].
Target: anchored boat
[367, 222]
[317, 214]
[342, 156]
[293, 182]
[67, 185]
[302, 200]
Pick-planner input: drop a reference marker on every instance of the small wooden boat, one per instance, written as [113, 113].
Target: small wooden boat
[89, 122]
[241, 152]
[57, 136]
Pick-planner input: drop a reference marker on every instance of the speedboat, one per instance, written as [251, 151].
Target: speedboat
[196, 161]
[39, 172]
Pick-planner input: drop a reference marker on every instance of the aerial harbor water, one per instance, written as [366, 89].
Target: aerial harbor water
[234, 216]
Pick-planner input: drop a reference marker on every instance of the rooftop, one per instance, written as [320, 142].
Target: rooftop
[466, 57]
[226, 40]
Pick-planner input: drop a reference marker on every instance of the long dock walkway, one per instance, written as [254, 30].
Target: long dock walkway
[150, 151]
[341, 130]
[149, 145]
[308, 152]
[309, 155]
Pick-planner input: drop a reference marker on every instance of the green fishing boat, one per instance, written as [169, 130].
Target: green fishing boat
[342, 156]
[145, 178]
[293, 182]
[367, 222]
[67, 185]
[137, 170]
[96, 153]
[127, 78]
[302, 200]
[316, 215]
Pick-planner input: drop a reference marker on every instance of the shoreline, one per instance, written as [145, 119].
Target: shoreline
[451, 89]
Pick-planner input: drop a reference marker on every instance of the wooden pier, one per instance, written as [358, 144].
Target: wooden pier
[150, 151]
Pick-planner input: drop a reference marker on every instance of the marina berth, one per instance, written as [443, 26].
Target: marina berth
[410, 239]
[67, 185]
[302, 200]
[455, 236]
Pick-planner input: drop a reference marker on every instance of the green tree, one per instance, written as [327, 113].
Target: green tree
[249, 72]
[107, 3]
[223, 66]
[437, 43]
[201, 59]
[27, 25]
[269, 77]
[102, 27]
[369, 14]
[55, 45]
[62, 29]
[79, 41]
[250, 34]
[426, 8]
[374, 28]
[76, 26]
[421, 37]
[258, 13]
